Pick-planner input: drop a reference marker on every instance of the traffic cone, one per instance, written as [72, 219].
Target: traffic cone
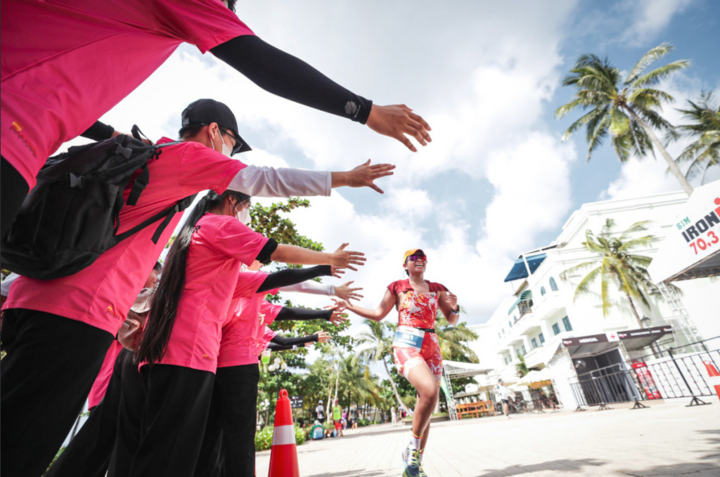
[283, 456]
[714, 376]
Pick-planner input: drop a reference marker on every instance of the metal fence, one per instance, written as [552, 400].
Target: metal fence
[665, 374]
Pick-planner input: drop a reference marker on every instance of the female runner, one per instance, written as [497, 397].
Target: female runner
[415, 348]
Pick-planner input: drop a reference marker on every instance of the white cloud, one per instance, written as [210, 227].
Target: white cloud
[651, 16]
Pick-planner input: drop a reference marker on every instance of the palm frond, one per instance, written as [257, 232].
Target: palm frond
[660, 73]
[584, 285]
[640, 226]
[647, 59]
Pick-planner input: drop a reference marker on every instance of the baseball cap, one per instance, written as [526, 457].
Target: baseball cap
[205, 111]
[412, 251]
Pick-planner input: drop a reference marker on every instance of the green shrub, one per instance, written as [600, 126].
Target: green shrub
[363, 422]
[264, 437]
[299, 435]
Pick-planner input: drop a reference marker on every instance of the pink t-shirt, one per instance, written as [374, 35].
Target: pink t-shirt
[239, 333]
[101, 294]
[97, 393]
[65, 63]
[213, 279]
[267, 337]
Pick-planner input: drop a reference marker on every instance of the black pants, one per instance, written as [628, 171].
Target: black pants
[230, 433]
[88, 454]
[14, 190]
[48, 372]
[176, 410]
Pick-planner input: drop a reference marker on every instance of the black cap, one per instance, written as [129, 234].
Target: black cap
[205, 111]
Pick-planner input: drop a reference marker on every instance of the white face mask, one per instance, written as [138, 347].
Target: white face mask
[243, 216]
[226, 151]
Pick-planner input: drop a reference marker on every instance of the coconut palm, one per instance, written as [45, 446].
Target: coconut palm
[616, 265]
[357, 383]
[379, 347]
[704, 128]
[453, 340]
[627, 109]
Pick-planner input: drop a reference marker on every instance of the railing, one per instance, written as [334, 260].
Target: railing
[670, 376]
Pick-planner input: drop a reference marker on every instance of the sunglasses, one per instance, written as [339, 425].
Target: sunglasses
[414, 258]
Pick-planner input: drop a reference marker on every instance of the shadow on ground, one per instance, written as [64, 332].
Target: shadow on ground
[560, 466]
[693, 469]
[351, 473]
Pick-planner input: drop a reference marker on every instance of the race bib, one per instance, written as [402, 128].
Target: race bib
[408, 337]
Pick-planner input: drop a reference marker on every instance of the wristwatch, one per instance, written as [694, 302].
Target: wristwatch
[456, 312]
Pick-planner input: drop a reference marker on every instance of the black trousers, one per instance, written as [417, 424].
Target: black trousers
[229, 440]
[48, 372]
[176, 410]
[88, 454]
[13, 190]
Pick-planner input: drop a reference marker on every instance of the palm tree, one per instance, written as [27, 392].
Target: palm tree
[521, 366]
[627, 109]
[453, 339]
[379, 347]
[704, 128]
[615, 264]
[357, 382]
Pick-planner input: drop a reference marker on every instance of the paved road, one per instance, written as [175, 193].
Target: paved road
[667, 439]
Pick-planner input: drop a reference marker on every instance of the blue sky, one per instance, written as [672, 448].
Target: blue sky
[496, 181]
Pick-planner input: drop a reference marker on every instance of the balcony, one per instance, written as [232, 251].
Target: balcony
[547, 305]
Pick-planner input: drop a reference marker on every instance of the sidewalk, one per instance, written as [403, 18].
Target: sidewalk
[667, 439]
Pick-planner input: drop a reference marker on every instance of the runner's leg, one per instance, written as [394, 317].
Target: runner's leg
[424, 382]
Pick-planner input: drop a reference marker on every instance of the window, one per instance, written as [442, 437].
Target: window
[514, 318]
[503, 331]
[542, 338]
[524, 352]
[556, 329]
[510, 324]
[566, 324]
[553, 285]
[542, 291]
[534, 343]
[499, 335]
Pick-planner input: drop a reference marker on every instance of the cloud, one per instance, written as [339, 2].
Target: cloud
[651, 16]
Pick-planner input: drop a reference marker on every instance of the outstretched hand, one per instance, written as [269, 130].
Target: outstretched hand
[338, 318]
[342, 258]
[336, 272]
[338, 306]
[344, 292]
[398, 120]
[365, 175]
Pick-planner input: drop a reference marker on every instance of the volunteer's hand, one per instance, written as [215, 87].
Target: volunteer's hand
[337, 318]
[344, 292]
[118, 133]
[323, 337]
[398, 120]
[336, 272]
[338, 306]
[342, 258]
[363, 175]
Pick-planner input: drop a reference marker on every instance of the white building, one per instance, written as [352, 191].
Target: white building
[540, 310]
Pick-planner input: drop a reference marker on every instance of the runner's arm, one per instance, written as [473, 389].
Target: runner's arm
[264, 181]
[291, 78]
[447, 302]
[378, 313]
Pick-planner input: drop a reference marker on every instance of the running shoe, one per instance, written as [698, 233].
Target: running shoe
[411, 462]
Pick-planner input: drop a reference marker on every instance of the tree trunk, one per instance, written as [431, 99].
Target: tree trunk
[392, 383]
[658, 145]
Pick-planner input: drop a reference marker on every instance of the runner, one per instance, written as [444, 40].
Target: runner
[353, 421]
[504, 396]
[57, 332]
[393, 416]
[416, 348]
[337, 419]
[320, 412]
[66, 63]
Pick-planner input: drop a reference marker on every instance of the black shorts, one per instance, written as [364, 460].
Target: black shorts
[350, 422]
[506, 401]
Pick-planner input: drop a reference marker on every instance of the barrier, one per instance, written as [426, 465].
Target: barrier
[283, 456]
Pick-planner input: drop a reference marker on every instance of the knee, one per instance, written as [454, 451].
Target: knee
[429, 391]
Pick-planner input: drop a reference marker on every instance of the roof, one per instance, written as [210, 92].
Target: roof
[520, 271]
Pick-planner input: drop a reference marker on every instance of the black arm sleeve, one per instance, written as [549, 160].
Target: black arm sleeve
[291, 78]
[99, 131]
[265, 255]
[302, 314]
[291, 276]
[280, 343]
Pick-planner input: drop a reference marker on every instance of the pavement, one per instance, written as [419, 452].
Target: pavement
[666, 439]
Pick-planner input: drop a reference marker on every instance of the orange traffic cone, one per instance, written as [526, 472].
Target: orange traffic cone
[283, 456]
[714, 376]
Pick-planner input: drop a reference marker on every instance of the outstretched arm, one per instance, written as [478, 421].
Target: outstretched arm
[291, 78]
[376, 314]
[448, 303]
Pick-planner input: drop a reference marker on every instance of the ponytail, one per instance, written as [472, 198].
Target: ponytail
[164, 304]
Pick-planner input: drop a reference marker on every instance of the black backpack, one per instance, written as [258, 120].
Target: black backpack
[72, 215]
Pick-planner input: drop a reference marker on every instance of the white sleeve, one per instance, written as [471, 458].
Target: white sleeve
[5, 286]
[269, 182]
[311, 287]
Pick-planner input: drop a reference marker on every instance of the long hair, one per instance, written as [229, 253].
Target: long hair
[164, 304]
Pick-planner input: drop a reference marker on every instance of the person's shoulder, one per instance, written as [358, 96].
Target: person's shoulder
[436, 287]
[399, 286]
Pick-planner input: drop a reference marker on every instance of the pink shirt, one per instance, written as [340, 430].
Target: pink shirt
[97, 393]
[65, 63]
[239, 333]
[267, 337]
[212, 280]
[101, 294]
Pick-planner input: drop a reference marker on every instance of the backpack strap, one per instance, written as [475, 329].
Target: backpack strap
[143, 179]
[168, 213]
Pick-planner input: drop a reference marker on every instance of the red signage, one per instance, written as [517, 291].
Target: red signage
[646, 381]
